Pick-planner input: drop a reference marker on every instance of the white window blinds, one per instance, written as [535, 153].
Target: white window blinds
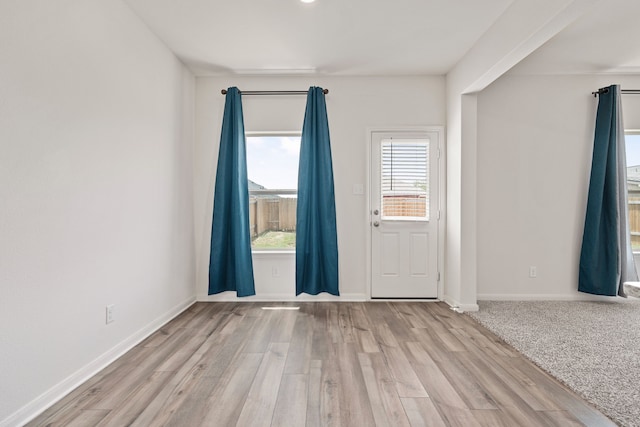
[405, 179]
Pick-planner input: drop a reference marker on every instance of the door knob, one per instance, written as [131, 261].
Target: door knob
[376, 224]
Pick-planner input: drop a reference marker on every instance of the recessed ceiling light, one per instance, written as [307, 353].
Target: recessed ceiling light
[307, 1]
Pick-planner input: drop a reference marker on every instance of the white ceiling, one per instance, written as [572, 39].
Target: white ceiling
[605, 40]
[346, 37]
[376, 37]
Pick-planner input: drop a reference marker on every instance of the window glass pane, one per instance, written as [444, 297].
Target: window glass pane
[405, 179]
[632, 146]
[272, 170]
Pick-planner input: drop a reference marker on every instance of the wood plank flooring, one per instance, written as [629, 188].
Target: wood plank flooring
[326, 364]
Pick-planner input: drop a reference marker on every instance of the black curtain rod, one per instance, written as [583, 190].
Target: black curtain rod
[273, 92]
[606, 90]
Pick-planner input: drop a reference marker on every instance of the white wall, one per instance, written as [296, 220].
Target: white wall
[353, 105]
[521, 29]
[535, 139]
[96, 130]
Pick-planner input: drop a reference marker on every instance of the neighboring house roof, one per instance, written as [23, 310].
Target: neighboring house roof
[255, 186]
[633, 178]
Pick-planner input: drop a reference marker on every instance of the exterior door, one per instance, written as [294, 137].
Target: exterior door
[404, 214]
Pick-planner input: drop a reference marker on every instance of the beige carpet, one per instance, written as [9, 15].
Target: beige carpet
[592, 347]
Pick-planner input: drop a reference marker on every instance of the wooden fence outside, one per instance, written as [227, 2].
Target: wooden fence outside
[272, 214]
[279, 213]
[634, 219]
[404, 206]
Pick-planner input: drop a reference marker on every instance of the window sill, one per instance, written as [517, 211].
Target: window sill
[273, 253]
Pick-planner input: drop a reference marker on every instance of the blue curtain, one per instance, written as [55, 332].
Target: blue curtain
[316, 236]
[606, 259]
[230, 264]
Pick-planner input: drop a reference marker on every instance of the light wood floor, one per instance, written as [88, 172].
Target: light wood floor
[326, 364]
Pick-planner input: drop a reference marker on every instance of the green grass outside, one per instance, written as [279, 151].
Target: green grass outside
[275, 240]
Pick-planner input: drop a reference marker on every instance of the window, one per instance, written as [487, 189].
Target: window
[405, 180]
[272, 170]
[632, 145]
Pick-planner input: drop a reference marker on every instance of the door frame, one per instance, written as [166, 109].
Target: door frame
[439, 130]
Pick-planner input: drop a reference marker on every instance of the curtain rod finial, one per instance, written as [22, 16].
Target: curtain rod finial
[223, 91]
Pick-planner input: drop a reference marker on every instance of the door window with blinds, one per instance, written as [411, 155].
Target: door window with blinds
[405, 179]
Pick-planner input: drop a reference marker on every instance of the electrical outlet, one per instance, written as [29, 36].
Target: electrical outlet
[533, 272]
[275, 272]
[110, 312]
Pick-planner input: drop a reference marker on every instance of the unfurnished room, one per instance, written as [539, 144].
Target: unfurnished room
[319, 213]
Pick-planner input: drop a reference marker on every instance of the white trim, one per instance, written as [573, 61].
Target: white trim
[273, 253]
[461, 308]
[458, 307]
[367, 213]
[34, 408]
[258, 133]
[543, 297]
[273, 192]
[322, 297]
[442, 205]
[427, 300]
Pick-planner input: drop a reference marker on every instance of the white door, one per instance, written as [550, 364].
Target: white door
[404, 214]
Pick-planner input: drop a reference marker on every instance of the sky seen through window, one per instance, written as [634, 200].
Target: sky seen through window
[272, 161]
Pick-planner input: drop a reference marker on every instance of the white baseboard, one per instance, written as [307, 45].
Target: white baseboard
[57, 392]
[323, 297]
[457, 306]
[578, 296]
